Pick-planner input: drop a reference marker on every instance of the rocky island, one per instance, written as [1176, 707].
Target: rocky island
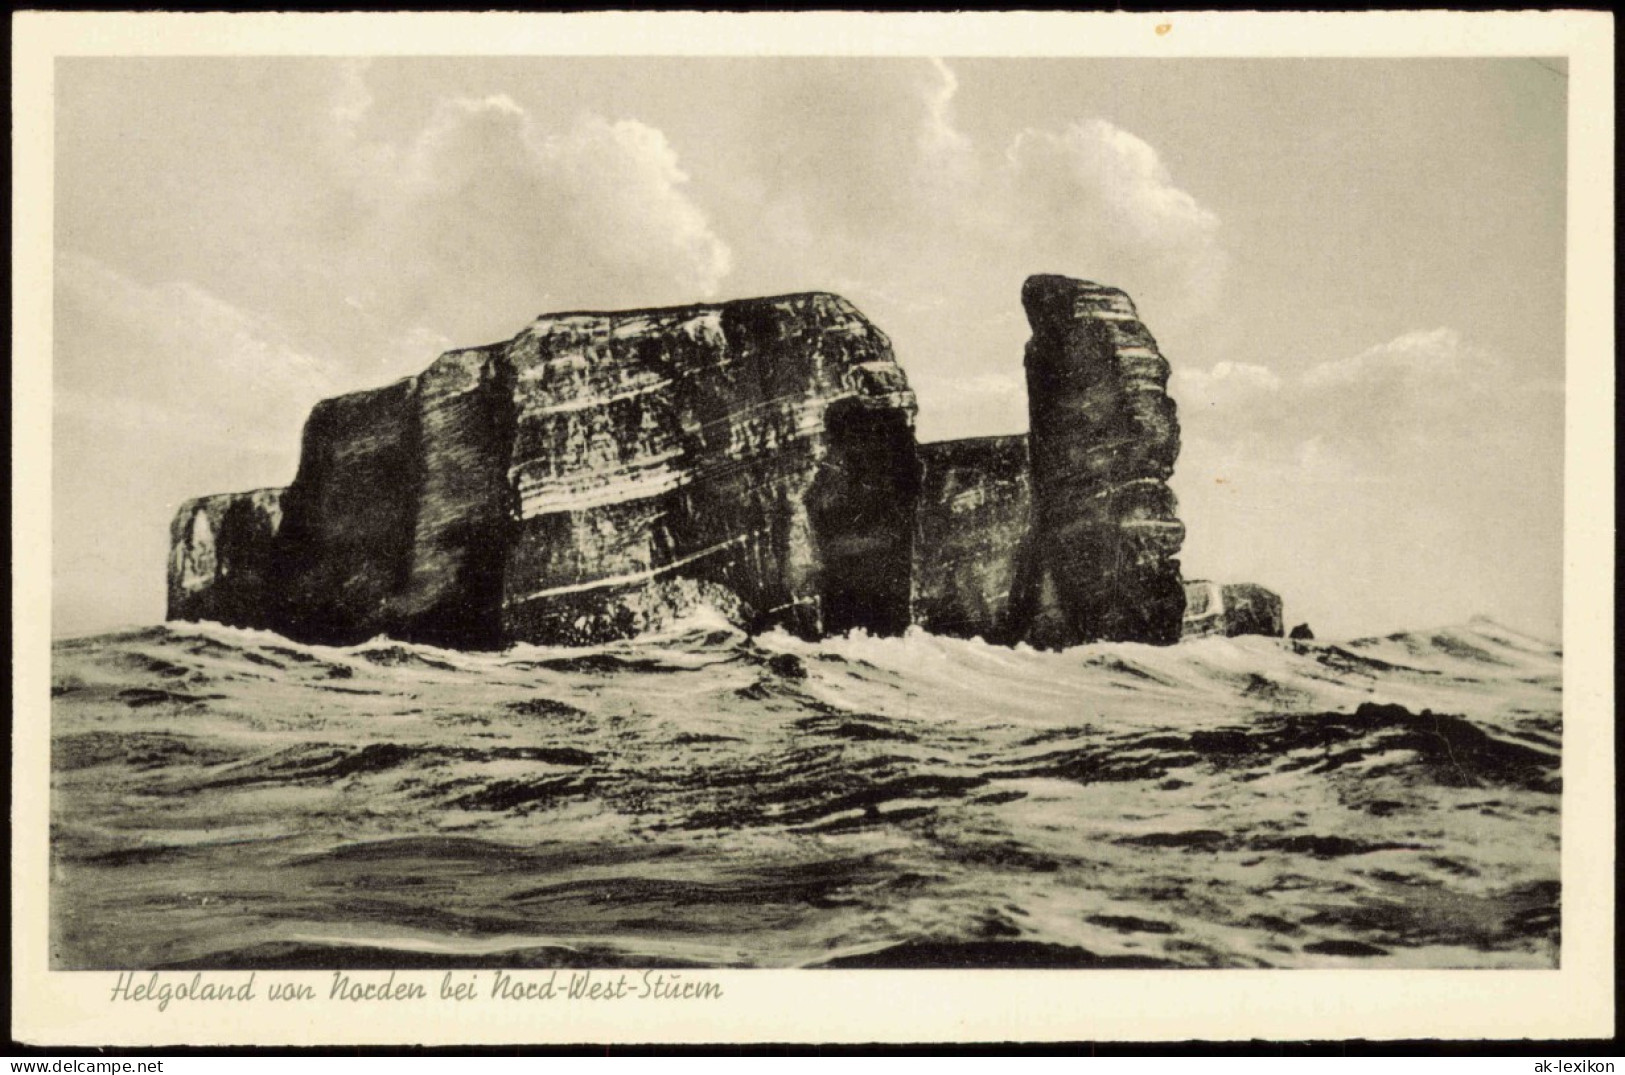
[601, 473]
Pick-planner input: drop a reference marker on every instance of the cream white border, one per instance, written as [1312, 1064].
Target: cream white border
[67, 1008]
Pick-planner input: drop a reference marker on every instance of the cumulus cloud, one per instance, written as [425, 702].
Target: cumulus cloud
[1097, 195]
[946, 167]
[1426, 390]
[895, 168]
[1370, 486]
[1415, 358]
[483, 218]
[930, 222]
[1226, 385]
[1089, 198]
[862, 166]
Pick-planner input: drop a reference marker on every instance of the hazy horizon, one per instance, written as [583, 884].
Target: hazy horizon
[1354, 267]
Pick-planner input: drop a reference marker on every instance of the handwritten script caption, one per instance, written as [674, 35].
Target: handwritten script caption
[162, 990]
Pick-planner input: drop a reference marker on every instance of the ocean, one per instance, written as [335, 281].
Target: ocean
[227, 798]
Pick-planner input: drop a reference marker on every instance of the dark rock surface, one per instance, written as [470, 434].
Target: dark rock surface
[1104, 437]
[972, 529]
[462, 530]
[593, 477]
[1253, 610]
[345, 548]
[220, 557]
[602, 473]
[1302, 633]
[759, 454]
[1232, 609]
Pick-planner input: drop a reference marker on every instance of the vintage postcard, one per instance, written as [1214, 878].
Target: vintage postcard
[812, 527]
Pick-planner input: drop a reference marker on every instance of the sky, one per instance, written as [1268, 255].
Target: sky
[1354, 267]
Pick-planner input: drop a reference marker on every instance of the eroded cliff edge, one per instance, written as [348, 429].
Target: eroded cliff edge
[1104, 437]
[591, 477]
[601, 473]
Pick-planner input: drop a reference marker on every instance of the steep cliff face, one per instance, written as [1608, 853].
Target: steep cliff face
[1104, 438]
[761, 451]
[463, 525]
[398, 521]
[973, 521]
[600, 473]
[221, 552]
[1231, 609]
[345, 548]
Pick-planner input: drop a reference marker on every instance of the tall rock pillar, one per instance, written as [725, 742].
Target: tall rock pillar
[1103, 443]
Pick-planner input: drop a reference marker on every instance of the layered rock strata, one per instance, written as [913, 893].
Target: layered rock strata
[1104, 437]
[601, 473]
[971, 535]
[760, 452]
[1231, 609]
[598, 474]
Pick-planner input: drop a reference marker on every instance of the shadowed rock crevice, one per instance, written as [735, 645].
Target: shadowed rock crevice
[345, 546]
[862, 513]
[972, 533]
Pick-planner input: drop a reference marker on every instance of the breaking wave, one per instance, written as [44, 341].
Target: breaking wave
[229, 798]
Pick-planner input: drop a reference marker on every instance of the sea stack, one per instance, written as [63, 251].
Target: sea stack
[601, 474]
[1104, 437]
[1231, 609]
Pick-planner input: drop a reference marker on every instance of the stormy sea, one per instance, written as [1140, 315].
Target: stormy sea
[227, 798]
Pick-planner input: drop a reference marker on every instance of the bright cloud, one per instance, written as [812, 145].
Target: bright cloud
[880, 181]
[946, 169]
[1097, 195]
[483, 219]
[1367, 486]
[1423, 390]
[1226, 385]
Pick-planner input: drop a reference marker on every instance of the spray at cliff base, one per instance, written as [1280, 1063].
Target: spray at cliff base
[228, 798]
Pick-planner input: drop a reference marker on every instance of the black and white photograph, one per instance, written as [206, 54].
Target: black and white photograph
[604, 522]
